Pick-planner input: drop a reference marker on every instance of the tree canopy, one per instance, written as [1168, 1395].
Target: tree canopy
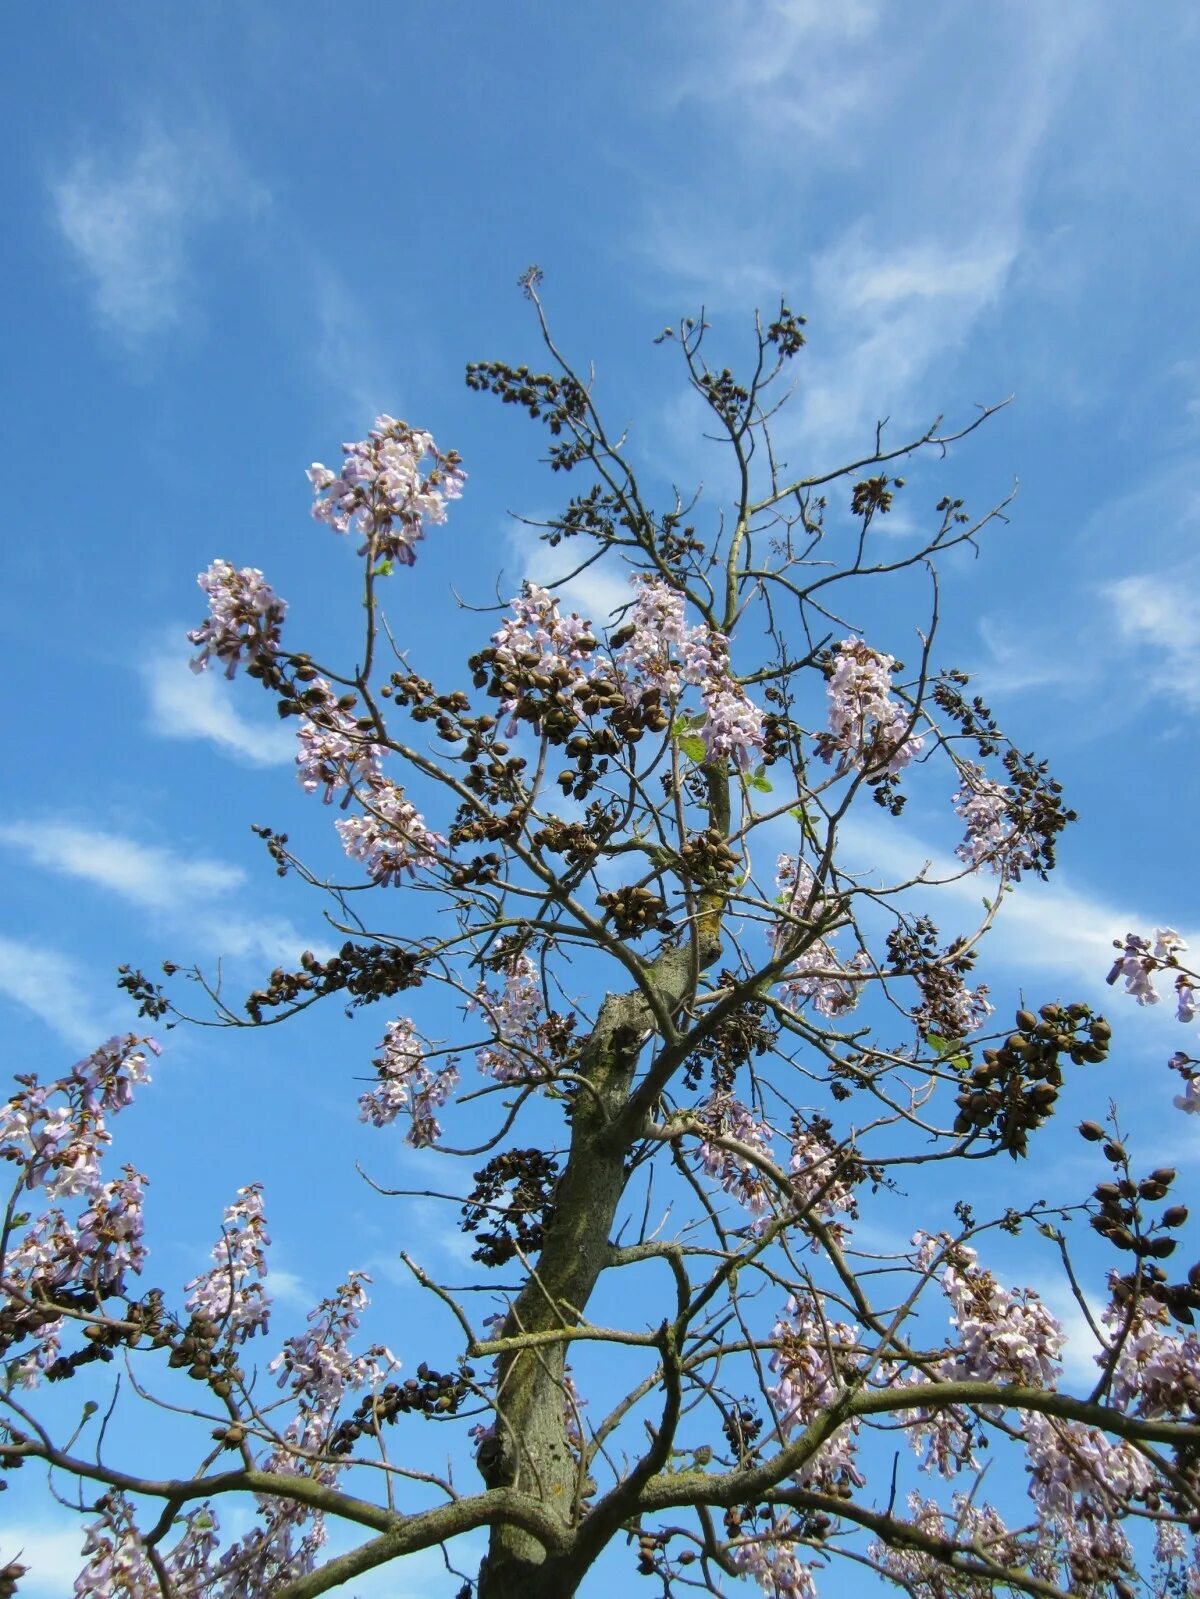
[709, 1086]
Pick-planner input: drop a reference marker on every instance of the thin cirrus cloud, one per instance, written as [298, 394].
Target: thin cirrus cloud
[895, 281]
[1155, 615]
[192, 705]
[129, 218]
[54, 988]
[202, 898]
[147, 875]
[345, 350]
[51, 1553]
[595, 591]
[1019, 659]
[892, 314]
[753, 50]
[1058, 931]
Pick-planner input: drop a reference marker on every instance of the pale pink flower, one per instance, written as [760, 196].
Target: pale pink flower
[244, 620]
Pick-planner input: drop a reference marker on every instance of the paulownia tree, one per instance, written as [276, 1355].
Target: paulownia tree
[632, 970]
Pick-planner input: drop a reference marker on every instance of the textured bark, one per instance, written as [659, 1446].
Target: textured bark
[531, 1450]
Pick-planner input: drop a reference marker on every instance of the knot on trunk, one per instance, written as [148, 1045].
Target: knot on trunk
[494, 1458]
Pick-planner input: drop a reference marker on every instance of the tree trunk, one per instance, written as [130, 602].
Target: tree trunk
[531, 1449]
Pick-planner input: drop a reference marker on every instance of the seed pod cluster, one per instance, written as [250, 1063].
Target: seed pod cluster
[513, 1195]
[725, 394]
[741, 1427]
[707, 859]
[1121, 1217]
[496, 776]
[1035, 809]
[577, 841]
[649, 1544]
[10, 1577]
[365, 971]
[739, 1037]
[1014, 1088]
[430, 1393]
[780, 735]
[472, 827]
[144, 1318]
[556, 400]
[480, 871]
[197, 1349]
[634, 910]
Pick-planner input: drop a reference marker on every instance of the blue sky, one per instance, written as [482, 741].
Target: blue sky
[236, 232]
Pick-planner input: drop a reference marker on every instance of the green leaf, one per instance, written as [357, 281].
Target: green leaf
[758, 782]
[384, 569]
[949, 1050]
[692, 746]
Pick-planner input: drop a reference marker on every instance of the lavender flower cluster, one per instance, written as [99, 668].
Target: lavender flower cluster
[407, 1083]
[382, 491]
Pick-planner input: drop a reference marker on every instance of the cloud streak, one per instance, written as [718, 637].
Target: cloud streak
[1050, 930]
[147, 875]
[129, 217]
[596, 592]
[891, 313]
[197, 705]
[51, 986]
[1155, 615]
[52, 1553]
[895, 277]
[202, 898]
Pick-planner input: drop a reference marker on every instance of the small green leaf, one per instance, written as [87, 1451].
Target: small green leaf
[949, 1050]
[384, 569]
[692, 746]
[758, 782]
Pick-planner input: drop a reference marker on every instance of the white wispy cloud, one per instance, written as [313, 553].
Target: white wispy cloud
[54, 988]
[754, 51]
[1078, 1356]
[1023, 656]
[889, 314]
[1155, 614]
[694, 258]
[596, 592]
[1041, 929]
[128, 215]
[51, 1552]
[202, 899]
[230, 933]
[290, 1289]
[199, 705]
[147, 875]
[895, 278]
